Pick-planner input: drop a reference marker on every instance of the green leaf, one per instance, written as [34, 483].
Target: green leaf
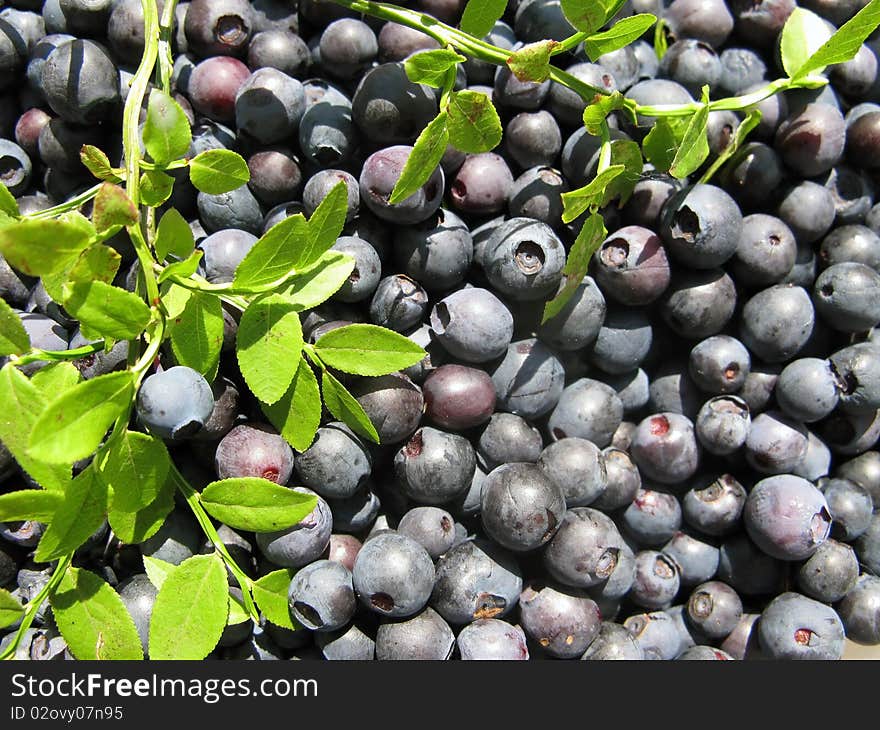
[590, 15]
[343, 405]
[38, 247]
[93, 619]
[156, 187]
[8, 203]
[270, 593]
[627, 153]
[135, 468]
[167, 136]
[694, 148]
[112, 208]
[77, 518]
[237, 612]
[11, 609]
[268, 346]
[473, 123]
[14, 338]
[97, 163]
[190, 610]
[660, 145]
[753, 118]
[174, 236]
[197, 333]
[157, 571]
[597, 112]
[431, 67]
[218, 171]
[135, 527]
[588, 241]
[297, 415]
[174, 299]
[365, 349]
[423, 160]
[320, 281]
[532, 61]
[845, 43]
[803, 34]
[55, 379]
[621, 34]
[97, 263]
[183, 269]
[23, 403]
[29, 504]
[480, 16]
[590, 195]
[73, 425]
[661, 42]
[256, 505]
[325, 225]
[107, 309]
[276, 255]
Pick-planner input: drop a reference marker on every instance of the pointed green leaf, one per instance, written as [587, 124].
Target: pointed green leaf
[621, 34]
[14, 339]
[135, 468]
[174, 236]
[365, 349]
[197, 333]
[156, 187]
[343, 405]
[107, 309]
[256, 505]
[8, 203]
[473, 123]
[174, 299]
[112, 208]
[157, 571]
[845, 43]
[218, 171]
[97, 163]
[29, 504]
[73, 425]
[325, 225]
[270, 593]
[37, 247]
[661, 42]
[97, 263]
[237, 612]
[423, 160]
[55, 379]
[276, 255]
[590, 15]
[268, 346]
[190, 611]
[661, 145]
[93, 619]
[167, 136]
[431, 67]
[591, 195]
[480, 16]
[803, 34]
[297, 415]
[135, 527]
[77, 518]
[597, 112]
[627, 153]
[532, 61]
[320, 281]
[694, 148]
[11, 609]
[183, 269]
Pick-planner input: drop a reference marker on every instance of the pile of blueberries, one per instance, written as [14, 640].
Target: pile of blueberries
[681, 464]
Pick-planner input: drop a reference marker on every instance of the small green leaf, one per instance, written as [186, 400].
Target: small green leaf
[135, 468]
[480, 16]
[320, 281]
[297, 415]
[803, 34]
[77, 518]
[694, 148]
[157, 571]
[430, 67]
[660, 145]
[270, 593]
[661, 42]
[29, 504]
[97, 163]
[38, 247]
[97, 263]
[590, 195]
[72, 426]
[343, 405]
[190, 611]
[621, 34]
[423, 160]
[268, 346]
[473, 123]
[532, 61]
[8, 203]
[325, 225]
[753, 118]
[93, 619]
[167, 136]
[156, 187]
[590, 15]
[107, 309]
[588, 241]
[183, 269]
[197, 333]
[276, 255]
[174, 236]
[597, 112]
[627, 153]
[218, 171]
[237, 612]
[845, 43]
[14, 338]
[135, 527]
[55, 379]
[112, 208]
[11, 609]
[256, 505]
[365, 349]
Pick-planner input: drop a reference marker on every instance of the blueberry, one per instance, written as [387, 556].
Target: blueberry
[850, 434]
[777, 322]
[15, 167]
[719, 364]
[707, 20]
[279, 49]
[830, 573]
[434, 466]
[346, 644]
[178, 539]
[723, 424]
[396, 42]
[318, 467]
[793, 626]
[356, 513]
[859, 610]
[304, 542]
[431, 527]
[529, 380]
[238, 209]
[492, 639]
[742, 642]
[754, 176]
[766, 252]
[322, 182]
[254, 450]
[852, 191]
[622, 480]
[850, 505]
[701, 226]
[224, 251]
[269, 105]
[656, 634]
[652, 518]
[580, 320]
[390, 109]
[808, 210]
[808, 389]
[213, 86]
[861, 136]
[393, 403]
[656, 91]
[715, 609]
[587, 409]
[649, 195]
[563, 621]
[533, 139]
[458, 397]
[665, 448]
[613, 642]
[693, 64]
[845, 296]
[699, 303]
[576, 466]
[472, 324]
[863, 470]
[175, 403]
[138, 595]
[367, 272]
[508, 438]
[512, 93]
[80, 82]
[867, 546]
[219, 28]
[585, 550]
[482, 185]
[853, 243]
[631, 266]
[380, 174]
[327, 134]
[567, 105]
[740, 69]
[775, 444]
[811, 140]
[437, 252]
[275, 176]
[541, 19]
[347, 48]
[321, 597]
[537, 194]
[633, 389]
[747, 569]
[425, 636]
[398, 303]
[695, 558]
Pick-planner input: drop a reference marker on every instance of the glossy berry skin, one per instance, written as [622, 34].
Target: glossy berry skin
[508, 438]
[434, 466]
[656, 582]
[622, 480]
[437, 252]
[318, 466]
[472, 324]
[399, 303]
[520, 507]
[214, 84]
[623, 342]
[576, 466]
[219, 29]
[777, 322]
[812, 141]
[723, 424]
[254, 450]
[349, 644]
[631, 266]
[698, 304]
[719, 364]
[343, 549]
[393, 403]
[347, 47]
[776, 443]
[851, 508]
[860, 611]
[829, 573]
[808, 389]
[321, 596]
[482, 185]
[766, 252]
[80, 82]
[715, 508]
[304, 542]
[492, 639]
[846, 297]
[587, 409]
[793, 626]
[433, 528]
[787, 517]
[533, 139]
[138, 595]
[585, 550]
[476, 580]
[613, 642]
[367, 272]
[224, 251]
[322, 182]
[389, 109]
[714, 609]
[580, 320]
[537, 194]
[279, 49]
[652, 518]
[327, 134]
[523, 259]
[380, 174]
[695, 557]
[393, 575]
[175, 403]
[665, 448]
[509, 92]
[529, 380]
[855, 243]
[808, 209]
[356, 513]
[237, 209]
[425, 636]
[275, 176]
[563, 621]
[458, 397]
[269, 106]
[701, 226]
